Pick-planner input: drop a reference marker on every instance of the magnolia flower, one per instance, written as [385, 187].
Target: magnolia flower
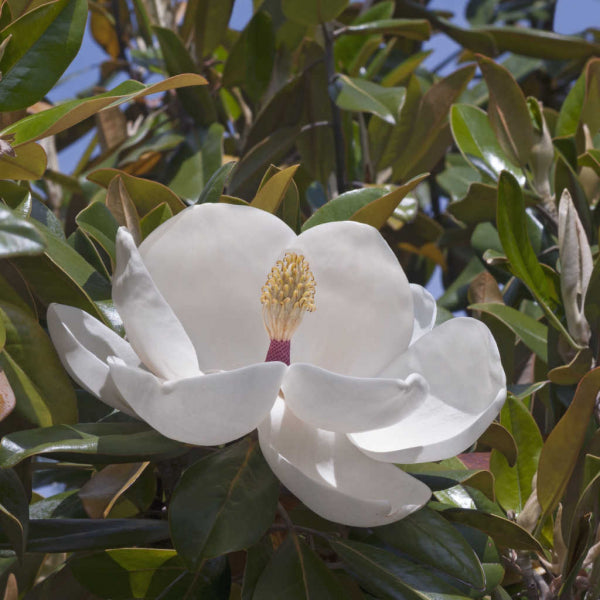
[355, 376]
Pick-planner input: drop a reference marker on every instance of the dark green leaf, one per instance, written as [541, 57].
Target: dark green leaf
[42, 389]
[223, 503]
[297, 573]
[87, 442]
[147, 573]
[504, 532]
[18, 237]
[391, 577]
[70, 535]
[14, 510]
[44, 42]
[427, 538]
[98, 222]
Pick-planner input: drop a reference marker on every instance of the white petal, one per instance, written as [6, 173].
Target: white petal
[425, 310]
[341, 403]
[83, 345]
[364, 314]
[332, 477]
[210, 263]
[460, 361]
[151, 325]
[203, 410]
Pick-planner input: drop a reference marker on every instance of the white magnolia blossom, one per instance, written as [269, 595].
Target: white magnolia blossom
[371, 381]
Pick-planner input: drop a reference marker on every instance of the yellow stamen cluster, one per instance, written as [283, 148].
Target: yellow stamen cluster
[288, 292]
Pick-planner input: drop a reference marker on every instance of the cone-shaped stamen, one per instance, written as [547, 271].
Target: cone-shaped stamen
[287, 294]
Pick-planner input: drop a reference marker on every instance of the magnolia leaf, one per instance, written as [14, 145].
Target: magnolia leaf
[312, 12]
[559, 454]
[88, 442]
[18, 237]
[504, 532]
[508, 112]
[97, 222]
[532, 333]
[222, 503]
[428, 538]
[28, 163]
[7, 397]
[50, 35]
[514, 484]
[576, 267]
[499, 438]
[65, 115]
[379, 210]
[14, 510]
[71, 535]
[475, 138]
[145, 194]
[102, 491]
[123, 209]
[382, 572]
[271, 194]
[298, 570]
[148, 574]
[156, 217]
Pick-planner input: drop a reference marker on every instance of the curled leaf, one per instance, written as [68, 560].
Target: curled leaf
[576, 267]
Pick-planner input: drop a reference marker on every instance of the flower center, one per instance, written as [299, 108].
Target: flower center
[287, 294]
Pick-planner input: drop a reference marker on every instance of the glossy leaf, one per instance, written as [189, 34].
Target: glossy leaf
[98, 222]
[29, 162]
[560, 452]
[89, 442]
[156, 217]
[214, 186]
[70, 535]
[429, 539]
[44, 42]
[14, 510]
[18, 237]
[271, 194]
[65, 115]
[360, 95]
[379, 210]
[504, 532]
[532, 333]
[508, 112]
[43, 392]
[475, 138]
[148, 573]
[514, 484]
[299, 571]
[223, 503]
[413, 29]
[145, 194]
[384, 573]
[423, 126]
[500, 439]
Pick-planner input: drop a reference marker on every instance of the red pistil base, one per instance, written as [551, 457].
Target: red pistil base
[279, 350]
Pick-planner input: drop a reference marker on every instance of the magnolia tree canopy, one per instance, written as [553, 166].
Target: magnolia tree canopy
[306, 315]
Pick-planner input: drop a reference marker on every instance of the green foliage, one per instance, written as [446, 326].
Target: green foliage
[317, 111]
